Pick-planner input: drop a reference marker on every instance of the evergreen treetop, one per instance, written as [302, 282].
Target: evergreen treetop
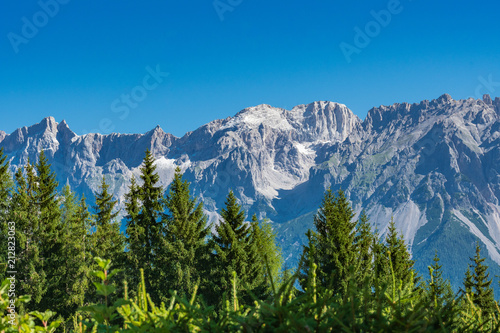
[399, 255]
[481, 284]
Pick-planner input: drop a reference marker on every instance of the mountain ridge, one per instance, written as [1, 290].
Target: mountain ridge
[434, 166]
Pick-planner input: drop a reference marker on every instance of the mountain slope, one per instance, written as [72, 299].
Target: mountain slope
[433, 166]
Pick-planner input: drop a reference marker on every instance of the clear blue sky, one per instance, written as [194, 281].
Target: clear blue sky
[88, 55]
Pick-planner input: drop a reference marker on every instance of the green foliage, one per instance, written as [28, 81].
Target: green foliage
[74, 269]
[144, 227]
[364, 243]
[479, 285]
[106, 238]
[439, 292]
[103, 315]
[183, 258]
[397, 250]
[50, 234]
[333, 245]
[235, 250]
[14, 321]
[267, 249]
[23, 211]
[186, 279]
[316, 310]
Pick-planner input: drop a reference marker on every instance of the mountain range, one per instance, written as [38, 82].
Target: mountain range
[433, 166]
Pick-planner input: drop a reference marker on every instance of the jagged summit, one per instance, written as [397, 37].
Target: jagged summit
[487, 99]
[444, 98]
[47, 125]
[262, 114]
[64, 130]
[158, 131]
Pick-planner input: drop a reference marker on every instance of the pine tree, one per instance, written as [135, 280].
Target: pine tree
[381, 268]
[83, 215]
[399, 255]
[334, 243]
[481, 284]
[309, 257]
[107, 241]
[264, 239]
[468, 283]
[439, 292]
[40, 237]
[75, 264]
[144, 207]
[24, 212]
[134, 233]
[234, 251]
[184, 254]
[51, 233]
[364, 242]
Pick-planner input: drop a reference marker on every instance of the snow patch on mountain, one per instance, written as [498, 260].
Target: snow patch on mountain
[304, 148]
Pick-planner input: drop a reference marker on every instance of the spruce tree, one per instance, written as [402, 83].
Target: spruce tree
[468, 283]
[399, 255]
[74, 282]
[107, 241]
[50, 231]
[83, 215]
[32, 279]
[439, 292]
[134, 233]
[482, 291]
[309, 257]
[144, 209]
[184, 252]
[364, 242]
[234, 251]
[334, 243]
[264, 239]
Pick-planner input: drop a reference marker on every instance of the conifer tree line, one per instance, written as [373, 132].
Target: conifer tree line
[167, 236]
[169, 239]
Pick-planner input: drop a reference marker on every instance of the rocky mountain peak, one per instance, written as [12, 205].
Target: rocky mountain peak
[496, 105]
[2, 135]
[156, 132]
[47, 125]
[445, 98]
[487, 99]
[322, 121]
[265, 114]
[64, 132]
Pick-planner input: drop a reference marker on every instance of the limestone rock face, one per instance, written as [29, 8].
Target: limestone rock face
[434, 166]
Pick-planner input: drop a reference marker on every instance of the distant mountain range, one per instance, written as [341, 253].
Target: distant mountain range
[433, 166]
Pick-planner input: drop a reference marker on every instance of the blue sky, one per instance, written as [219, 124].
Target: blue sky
[91, 62]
